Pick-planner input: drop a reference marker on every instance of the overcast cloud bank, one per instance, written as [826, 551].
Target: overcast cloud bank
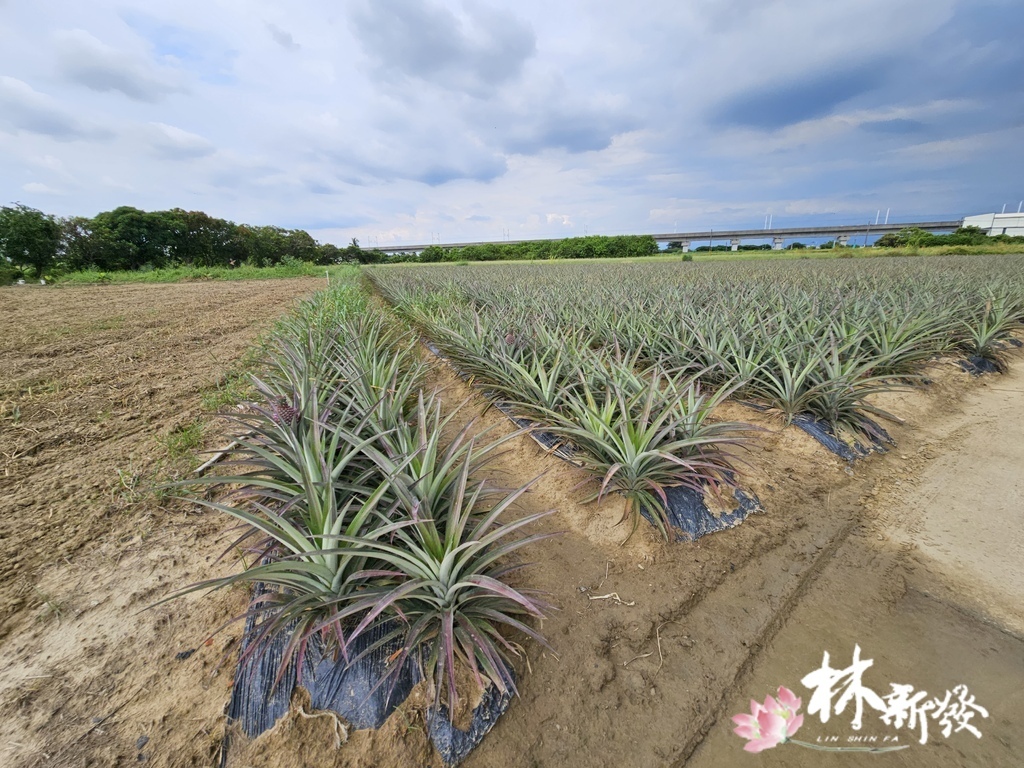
[410, 120]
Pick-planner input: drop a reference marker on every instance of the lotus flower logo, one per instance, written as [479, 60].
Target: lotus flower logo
[776, 721]
[771, 723]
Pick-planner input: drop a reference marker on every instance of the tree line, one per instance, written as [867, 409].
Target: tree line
[33, 243]
[912, 237]
[127, 238]
[589, 247]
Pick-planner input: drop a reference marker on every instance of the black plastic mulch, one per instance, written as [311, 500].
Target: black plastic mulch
[549, 442]
[690, 517]
[353, 691]
[976, 365]
[824, 434]
[453, 744]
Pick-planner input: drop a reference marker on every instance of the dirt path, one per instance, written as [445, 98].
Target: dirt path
[965, 517]
[931, 587]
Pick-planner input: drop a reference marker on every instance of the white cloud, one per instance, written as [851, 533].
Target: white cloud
[86, 61]
[37, 188]
[172, 143]
[22, 108]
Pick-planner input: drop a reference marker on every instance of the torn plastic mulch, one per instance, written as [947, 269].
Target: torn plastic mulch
[691, 518]
[353, 691]
[453, 744]
[976, 365]
[848, 451]
[826, 436]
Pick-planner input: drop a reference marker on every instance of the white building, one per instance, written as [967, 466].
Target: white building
[997, 223]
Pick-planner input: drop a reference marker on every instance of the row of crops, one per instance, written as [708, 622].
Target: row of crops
[367, 522]
[627, 362]
[364, 509]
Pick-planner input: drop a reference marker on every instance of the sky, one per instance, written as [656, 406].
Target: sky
[418, 121]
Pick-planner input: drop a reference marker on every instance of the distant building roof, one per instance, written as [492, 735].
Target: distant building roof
[997, 223]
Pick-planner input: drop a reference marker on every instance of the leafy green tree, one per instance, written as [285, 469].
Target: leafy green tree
[353, 252]
[300, 246]
[915, 237]
[196, 238]
[29, 238]
[259, 246]
[80, 244]
[432, 253]
[129, 238]
[329, 253]
[968, 236]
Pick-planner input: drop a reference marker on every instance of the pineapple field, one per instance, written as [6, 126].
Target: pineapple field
[517, 514]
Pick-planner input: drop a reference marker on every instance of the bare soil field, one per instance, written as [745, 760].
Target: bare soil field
[913, 555]
[98, 384]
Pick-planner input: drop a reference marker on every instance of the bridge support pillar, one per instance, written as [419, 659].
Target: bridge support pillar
[842, 240]
[686, 246]
[735, 243]
[777, 243]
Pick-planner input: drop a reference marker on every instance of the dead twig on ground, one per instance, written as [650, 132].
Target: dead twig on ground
[612, 596]
[221, 453]
[641, 656]
[605, 577]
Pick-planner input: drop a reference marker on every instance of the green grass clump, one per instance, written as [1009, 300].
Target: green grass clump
[184, 440]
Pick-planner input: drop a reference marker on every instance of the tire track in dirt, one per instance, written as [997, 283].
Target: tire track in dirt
[763, 640]
[914, 616]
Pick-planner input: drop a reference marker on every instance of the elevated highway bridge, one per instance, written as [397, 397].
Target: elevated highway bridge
[841, 233]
